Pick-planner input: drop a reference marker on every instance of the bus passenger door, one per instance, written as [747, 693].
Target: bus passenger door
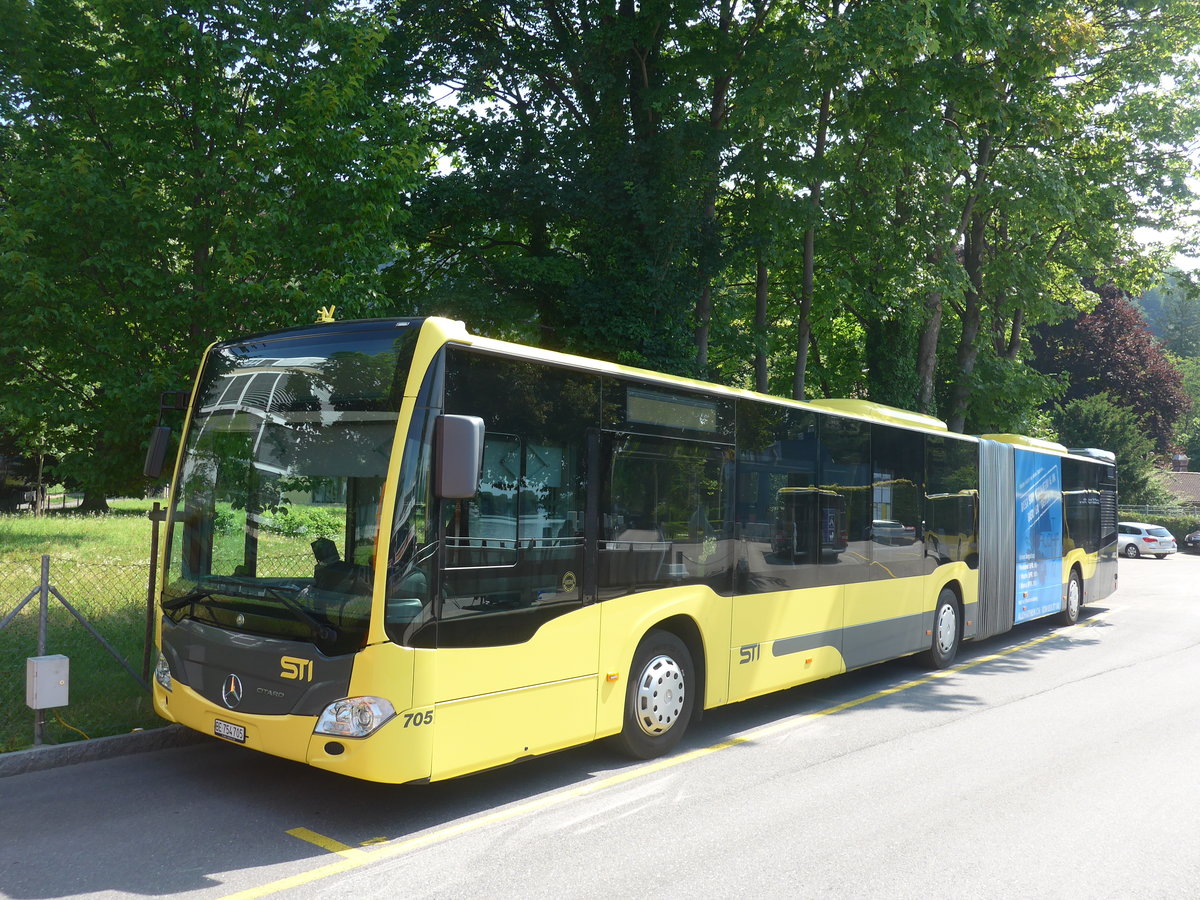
[517, 635]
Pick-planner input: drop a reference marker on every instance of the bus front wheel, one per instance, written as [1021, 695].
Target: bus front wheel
[659, 697]
[944, 646]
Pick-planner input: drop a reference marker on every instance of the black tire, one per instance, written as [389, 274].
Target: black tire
[656, 716]
[947, 631]
[1160, 556]
[1131, 551]
[1070, 615]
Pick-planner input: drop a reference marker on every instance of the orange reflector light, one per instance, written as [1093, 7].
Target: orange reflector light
[612, 676]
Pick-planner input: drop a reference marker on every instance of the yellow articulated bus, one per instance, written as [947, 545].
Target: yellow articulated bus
[403, 553]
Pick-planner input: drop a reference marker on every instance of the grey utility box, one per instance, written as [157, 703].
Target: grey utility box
[47, 681]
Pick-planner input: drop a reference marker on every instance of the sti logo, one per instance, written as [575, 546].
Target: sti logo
[296, 669]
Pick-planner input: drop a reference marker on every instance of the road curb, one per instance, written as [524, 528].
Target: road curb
[37, 759]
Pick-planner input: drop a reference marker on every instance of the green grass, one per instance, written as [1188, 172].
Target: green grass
[100, 565]
[122, 536]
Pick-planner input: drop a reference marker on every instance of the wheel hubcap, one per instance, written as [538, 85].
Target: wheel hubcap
[1073, 598]
[947, 629]
[660, 693]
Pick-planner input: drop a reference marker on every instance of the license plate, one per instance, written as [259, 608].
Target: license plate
[229, 731]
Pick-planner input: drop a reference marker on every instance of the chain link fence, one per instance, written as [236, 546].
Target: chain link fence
[89, 605]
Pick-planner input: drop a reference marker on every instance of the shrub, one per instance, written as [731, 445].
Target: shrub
[1179, 525]
[305, 521]
[224, 521]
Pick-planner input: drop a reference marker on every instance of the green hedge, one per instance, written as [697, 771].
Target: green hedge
[306, 521]
[290, 521]
[1178, 525]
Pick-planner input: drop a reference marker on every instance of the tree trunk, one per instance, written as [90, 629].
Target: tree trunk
[39, 495]
[717, 115]
[973, 254]
[761, 284]
[803, 327]
[703, 315]
[812, 349]
[1014, 336]
[93, 502]
[968, 346]
[927, 347]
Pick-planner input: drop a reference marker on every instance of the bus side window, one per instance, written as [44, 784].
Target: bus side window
[897, 495]
[845, 469]
[514, 555]
[483, 531]
[663, 519]
[1083, 505]
[784, 520]
[951, 501]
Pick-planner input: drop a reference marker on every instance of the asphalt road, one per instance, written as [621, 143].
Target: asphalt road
[1049, 762]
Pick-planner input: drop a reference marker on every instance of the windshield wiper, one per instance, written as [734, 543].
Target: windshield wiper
[201, 596]
[323, 630]
[188, 599]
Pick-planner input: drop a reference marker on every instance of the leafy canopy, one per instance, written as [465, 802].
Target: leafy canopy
[173, 175]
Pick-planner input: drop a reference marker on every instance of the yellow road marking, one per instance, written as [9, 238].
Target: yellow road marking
[353, 858]
[326, 843]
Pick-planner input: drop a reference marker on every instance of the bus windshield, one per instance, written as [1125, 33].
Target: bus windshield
[276, 514]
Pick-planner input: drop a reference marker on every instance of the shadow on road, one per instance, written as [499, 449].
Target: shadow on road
[191, 819]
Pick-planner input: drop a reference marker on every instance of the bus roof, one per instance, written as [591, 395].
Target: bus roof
[453, 331]
[1030, 443]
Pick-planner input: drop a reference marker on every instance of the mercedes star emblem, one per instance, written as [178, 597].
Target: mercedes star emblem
[231, 692]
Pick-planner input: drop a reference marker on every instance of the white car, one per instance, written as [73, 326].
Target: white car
[1136, 539]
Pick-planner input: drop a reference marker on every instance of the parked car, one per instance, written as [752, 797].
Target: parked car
[885, 531]
[1191, 542]
[1136, 539]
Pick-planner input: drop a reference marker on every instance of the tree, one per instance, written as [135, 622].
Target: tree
[1111, 351]
[172, 175]
[958, 169]
[1069, 144]
[1099, 421]
[583, 143]
[1188, 434]
[27, 448]
[1172, 310]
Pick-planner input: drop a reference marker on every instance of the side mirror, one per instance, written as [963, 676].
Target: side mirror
[173, 401]
[160, 435]
[458, 442]
[160, 439]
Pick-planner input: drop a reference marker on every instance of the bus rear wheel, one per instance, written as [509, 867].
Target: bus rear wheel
[659, 697]
[944, 646]
[1070, 615]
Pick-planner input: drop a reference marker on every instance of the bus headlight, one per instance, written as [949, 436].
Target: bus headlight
[354, 717]
[162, 671]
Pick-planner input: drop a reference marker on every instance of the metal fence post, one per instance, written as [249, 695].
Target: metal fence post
[157, 514]
[39, 715]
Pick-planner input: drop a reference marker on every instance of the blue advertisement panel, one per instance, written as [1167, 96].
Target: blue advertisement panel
[1039, 535]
